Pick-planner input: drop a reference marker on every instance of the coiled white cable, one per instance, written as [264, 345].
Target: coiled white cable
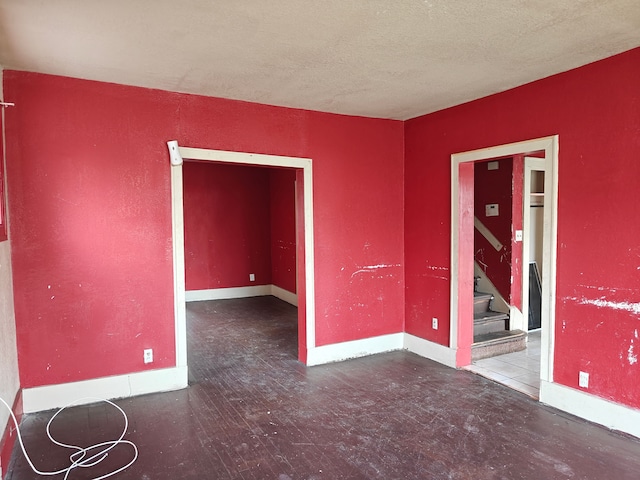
[82, 457]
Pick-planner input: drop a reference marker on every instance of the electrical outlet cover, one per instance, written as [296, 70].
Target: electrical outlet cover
[583, 380]
[148, 355]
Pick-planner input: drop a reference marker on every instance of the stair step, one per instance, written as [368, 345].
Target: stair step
[488, 322]
[497, 343]
[489, 316]
[481, 302]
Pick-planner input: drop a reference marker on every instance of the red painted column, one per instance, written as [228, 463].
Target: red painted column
[517, 224]
[465, 264]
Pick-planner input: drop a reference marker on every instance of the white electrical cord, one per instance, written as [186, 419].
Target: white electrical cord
[82, 457]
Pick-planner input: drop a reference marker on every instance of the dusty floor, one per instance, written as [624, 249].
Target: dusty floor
[254, 412]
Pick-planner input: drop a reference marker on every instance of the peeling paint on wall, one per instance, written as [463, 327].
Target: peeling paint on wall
[602, 303]
[372, 268]
[632, 357]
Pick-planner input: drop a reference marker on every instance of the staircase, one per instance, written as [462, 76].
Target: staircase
[491, 334]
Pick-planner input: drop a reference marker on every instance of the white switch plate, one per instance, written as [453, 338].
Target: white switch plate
[518, 235]
[434, 323]
[252, 277]
[583, 380]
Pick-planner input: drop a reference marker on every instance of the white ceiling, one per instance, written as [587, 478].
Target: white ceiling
[379, 58]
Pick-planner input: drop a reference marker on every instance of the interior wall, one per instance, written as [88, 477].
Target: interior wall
[594, 110]
[283, 228]
[227, 225]
[9, 378]
[90, 203]
[494, 187]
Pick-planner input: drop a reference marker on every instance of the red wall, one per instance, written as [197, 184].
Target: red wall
[494, 186]
[283, 228]
[227, 223]
[239, 220]
[594, 110]
[89, 197]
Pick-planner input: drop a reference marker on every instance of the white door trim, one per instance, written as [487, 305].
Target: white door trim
[531, 164]
[177, 214]
[550, 147]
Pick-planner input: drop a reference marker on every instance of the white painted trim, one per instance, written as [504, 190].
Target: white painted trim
[338, 352]
[177, 229]
[178, 232]
[516, 319]
[486, 233]
[431, 350]
[454, 270]
[241, 292]
[595, 409]
[550, 147]
[284, 295]
[37, 399]
[226, 293]
[549, 260]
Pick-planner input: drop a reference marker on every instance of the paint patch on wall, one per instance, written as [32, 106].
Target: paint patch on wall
[632, 355]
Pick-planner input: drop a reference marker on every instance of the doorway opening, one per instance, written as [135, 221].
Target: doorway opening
[538, 155]
[507, 289]
[304, 237]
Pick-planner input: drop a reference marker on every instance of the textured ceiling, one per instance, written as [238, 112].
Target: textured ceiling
[379, 58]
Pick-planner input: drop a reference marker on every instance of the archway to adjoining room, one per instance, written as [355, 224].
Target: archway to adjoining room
[462, 246]
[304, 238]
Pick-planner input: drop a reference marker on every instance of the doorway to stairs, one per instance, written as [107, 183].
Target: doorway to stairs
[538, 354]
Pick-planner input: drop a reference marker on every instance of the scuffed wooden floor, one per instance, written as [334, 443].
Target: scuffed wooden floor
[253, 412]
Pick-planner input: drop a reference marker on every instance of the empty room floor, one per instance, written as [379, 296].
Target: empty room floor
[253, 411]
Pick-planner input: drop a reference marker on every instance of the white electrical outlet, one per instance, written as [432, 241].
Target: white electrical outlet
[434, 323]
[252, 277]
[583, 380]
[148, 355]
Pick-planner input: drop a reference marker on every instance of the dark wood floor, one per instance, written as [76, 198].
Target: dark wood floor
[254, 412]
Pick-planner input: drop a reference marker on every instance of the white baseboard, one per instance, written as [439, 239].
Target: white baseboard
[225, 293]
[595, 409]
[284, 295]
[338, 352]
[431, 350]
[241, 292]
[37, 399]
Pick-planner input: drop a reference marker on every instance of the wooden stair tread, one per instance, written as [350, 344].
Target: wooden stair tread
[498, 337]
[481, 302]
[490, 314]
[481, 295]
